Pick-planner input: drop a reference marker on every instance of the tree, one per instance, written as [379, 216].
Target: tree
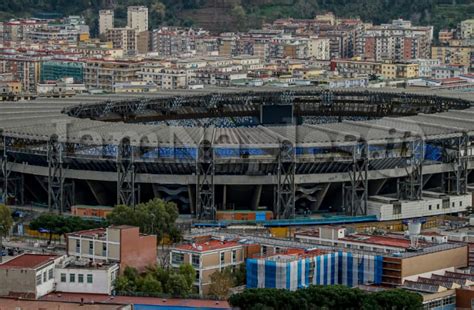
[326, 297]
[122, 284]
[157, 280]
[6, 223]
[50, 222]
[221, 283]
[154, 217]
[240, 275]
[189, 274]
[177, 286]
[61, 225]
[151, 285]
[396, 299]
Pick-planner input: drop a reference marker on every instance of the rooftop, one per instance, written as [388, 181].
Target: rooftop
[210, 245]
[13, 303]
[151, 301]
[30, 261]
[89, 233]
[379, 240]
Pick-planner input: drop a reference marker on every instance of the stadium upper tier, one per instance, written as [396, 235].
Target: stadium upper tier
[97, 124]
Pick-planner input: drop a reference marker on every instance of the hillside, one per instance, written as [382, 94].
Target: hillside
[224, 15]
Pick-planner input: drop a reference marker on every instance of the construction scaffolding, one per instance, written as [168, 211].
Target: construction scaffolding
[205, 170]
[355, 194]
[126, 174]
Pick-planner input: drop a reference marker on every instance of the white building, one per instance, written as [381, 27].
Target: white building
[28, 275]
[64, 86]
[137, 18]
[432, 203]
[426, 66]
[106, 20]
[82, 276]
[446, 72]
[319, 48]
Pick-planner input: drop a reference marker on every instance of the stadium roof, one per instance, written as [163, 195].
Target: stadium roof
[42, 118]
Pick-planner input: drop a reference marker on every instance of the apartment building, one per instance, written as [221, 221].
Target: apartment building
[26, 69]
[129, 40]
[123, 38]
[103, 74]
[319, 48]
[453, 55]
[165, 78]
[28, 275]
[106, 21]
[399, 71]
[175, 41]
[466, 28]
[55, 70]
[354, 67]
[425, 66]
[208, 256]
[397, 41]
[16, 30]
[137, 18]
[114, 244]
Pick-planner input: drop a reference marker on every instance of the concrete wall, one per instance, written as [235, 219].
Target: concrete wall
[457, 257]
[413, 209]
[23, 281]
[102, 280]
[136, 250]
[18, 281]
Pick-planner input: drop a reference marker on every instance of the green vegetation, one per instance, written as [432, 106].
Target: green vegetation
[157, 281]
[222, 281]
[56, 224]
[326, 297]
[6, 223]
[251, 13]
[154, 217]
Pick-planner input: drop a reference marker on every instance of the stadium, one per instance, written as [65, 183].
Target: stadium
[386, 153]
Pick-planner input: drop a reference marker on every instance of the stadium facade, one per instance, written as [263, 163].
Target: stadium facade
[349, 151]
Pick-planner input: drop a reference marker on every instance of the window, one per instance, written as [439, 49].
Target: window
[90, 278]
[177, 258]
[198, 275]
[72, 277]
[264, 250]
[195, 260]
[80, 278]
[78, 246]
[397, 209]
[45, 276]
[104, 249]
[222, 258]
[91, 247]
[234, 256]
[50, 273]
[429, 207]
[460, 203]
[63, 277]
[452, 204]
[38, 279]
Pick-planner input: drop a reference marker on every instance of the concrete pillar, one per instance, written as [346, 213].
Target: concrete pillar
[257, 193]
[224, 197]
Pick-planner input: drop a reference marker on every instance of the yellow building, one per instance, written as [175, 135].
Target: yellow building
[11, 87]
[400, 71]
[84, 37]
[453, 55]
